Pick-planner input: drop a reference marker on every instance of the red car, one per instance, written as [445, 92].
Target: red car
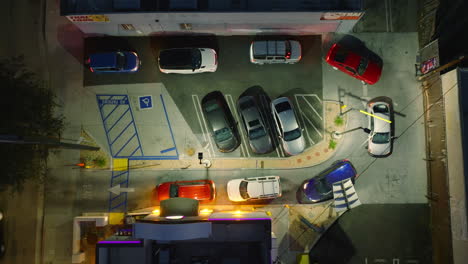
[355, 65]
[202, 190]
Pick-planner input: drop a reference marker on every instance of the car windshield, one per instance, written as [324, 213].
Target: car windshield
[211, 106]
[257, 133]
[322, 186]
[246, 104]
[281, 107]
[243, 190]
[380, 108]
[121, 60]
[223, 134]
[362, 66]
[381, 138]
[292, 135]
[340, 55]
[173, 190]
[196, 59]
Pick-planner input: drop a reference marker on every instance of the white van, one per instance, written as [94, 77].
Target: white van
[275, 51]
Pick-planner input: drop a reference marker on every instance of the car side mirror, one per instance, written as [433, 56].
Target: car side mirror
[367, 130]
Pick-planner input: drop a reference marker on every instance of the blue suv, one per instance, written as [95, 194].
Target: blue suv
[113, 62]
[320, 188]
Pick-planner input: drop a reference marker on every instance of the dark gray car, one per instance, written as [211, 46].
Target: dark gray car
[220, 121]
[254, 125]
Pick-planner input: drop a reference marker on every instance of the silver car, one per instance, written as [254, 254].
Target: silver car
[381, 126]
[287, 126]
[254, 125]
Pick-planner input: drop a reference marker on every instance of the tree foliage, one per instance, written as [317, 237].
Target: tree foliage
[27, 109]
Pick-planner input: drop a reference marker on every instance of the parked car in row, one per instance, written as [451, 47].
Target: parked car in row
[320, 188]
[287, 126]
[275, 51]
[113, 62]
[254, 124]
[201, 190]
[188, 60]
[358, 66]
[255, 188]
[220, 121]
[381, 126]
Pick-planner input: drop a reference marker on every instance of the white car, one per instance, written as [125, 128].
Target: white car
[188, 60]
[275, 51]
[381, 126]
[266, 187]
[287, 126]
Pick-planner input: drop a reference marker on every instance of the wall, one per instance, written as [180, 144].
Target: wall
[147, 24]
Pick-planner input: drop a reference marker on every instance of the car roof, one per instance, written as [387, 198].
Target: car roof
[381, 126]
[176, 58]
[338, 171]
[103, 60]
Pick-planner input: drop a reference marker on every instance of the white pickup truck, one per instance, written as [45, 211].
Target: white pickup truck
[265, 187]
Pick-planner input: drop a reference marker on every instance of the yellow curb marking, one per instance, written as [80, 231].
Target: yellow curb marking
[366, 113]
[120, 164]
[116, 218]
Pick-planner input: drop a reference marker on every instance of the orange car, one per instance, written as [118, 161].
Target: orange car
[201, 190]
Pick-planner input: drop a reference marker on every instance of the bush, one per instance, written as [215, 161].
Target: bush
[339, 121]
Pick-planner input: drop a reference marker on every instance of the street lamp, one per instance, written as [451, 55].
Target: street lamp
[205, 162]
[336, 134]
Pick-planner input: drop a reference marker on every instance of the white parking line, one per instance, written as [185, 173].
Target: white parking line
[279, 151]
[303, 122]
[312, 124]
[313, 108]
[236, 116]
[203, 126]
[387, 15]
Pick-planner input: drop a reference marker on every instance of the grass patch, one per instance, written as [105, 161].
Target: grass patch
[339, 121]
[332, 144]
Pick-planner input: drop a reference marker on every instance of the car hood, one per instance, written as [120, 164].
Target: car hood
[261, 145]
[233, 190]
[227, 145]
[132, 61]
[372, 73]
[294, 147]
[295, 50]
[208, 58]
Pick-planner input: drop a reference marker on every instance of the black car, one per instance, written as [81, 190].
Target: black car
[222, 126]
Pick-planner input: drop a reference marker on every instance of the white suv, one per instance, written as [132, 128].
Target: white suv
[266, 187]
[188, 60]
[275, 51]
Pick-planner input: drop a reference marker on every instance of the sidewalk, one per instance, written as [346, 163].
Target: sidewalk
[314, 155]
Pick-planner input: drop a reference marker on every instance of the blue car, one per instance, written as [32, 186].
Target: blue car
[320, 188]
[113, 62]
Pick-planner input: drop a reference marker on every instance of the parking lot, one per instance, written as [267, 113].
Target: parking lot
[301, 82]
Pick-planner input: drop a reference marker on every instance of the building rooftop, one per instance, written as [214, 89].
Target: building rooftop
[69, 7]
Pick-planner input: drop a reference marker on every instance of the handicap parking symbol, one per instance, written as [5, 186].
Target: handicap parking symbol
[145, 102]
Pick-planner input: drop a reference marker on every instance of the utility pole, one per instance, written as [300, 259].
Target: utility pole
[40, 140]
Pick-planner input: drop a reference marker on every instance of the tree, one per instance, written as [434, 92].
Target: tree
[27, 109]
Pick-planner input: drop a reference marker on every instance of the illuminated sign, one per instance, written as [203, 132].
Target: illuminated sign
[88, 18]
[341, 16]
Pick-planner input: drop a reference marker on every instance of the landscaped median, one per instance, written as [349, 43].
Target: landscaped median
[314, 155]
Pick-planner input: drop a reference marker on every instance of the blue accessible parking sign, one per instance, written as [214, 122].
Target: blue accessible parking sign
[145, 102]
